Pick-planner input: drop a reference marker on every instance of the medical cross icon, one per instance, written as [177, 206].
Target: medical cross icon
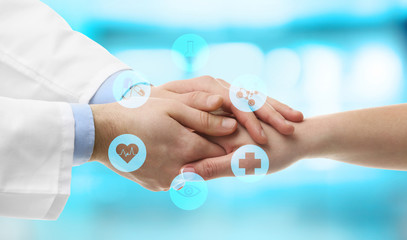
[249, 163]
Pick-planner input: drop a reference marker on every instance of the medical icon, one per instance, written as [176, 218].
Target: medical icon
[127, 153]
[243, 95]
[247, 95]
[188, 191]
[131, 90]
[190, 49]
[250, 163]
[190, 52]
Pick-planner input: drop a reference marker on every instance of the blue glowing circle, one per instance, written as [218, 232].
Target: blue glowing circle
[131, 90]
[250, 163]
[245, 95]
[190, 52]
[193, 192]
[127, 153]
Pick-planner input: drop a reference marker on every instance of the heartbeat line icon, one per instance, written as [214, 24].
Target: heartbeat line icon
[127, 152]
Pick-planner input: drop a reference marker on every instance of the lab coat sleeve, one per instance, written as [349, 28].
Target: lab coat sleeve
[36, 149]
[41, 57]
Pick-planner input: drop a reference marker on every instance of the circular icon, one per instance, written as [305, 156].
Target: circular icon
[250, 163]
[188, 191]
[131, 90]
[127, 153]
[243, 93]
[190, 52]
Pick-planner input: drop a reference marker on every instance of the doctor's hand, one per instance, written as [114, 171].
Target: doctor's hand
[281, 150]
[273, 112]
[164, 125]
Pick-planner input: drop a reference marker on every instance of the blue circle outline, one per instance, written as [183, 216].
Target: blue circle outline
[192, 181]
[259, 172]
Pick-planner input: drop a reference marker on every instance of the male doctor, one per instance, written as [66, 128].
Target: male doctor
[49, 74]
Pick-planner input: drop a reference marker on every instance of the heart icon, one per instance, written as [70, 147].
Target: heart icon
[127, 152]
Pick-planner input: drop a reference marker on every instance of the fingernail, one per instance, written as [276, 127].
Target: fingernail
[212, 100]
[188, 169]
[178, 185]
[188, 174]
[228, 123]
[288, 123]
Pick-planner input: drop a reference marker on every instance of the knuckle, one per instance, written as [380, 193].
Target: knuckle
[194, 96]
[221, 81]
[209, 169]
[207, 77]
[205, 119]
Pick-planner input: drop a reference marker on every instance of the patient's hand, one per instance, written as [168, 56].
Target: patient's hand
[273, 112]
[281, 150]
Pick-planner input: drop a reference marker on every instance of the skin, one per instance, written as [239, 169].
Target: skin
[273, 112]
[164, 129]
[373, 137]
[172, 124]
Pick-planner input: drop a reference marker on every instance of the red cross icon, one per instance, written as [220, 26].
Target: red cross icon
[249, 163]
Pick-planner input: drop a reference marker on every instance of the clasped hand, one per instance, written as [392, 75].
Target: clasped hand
[181, 134]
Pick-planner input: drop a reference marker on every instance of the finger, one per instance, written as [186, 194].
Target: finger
[221, 87]
[252, 124]
[197, 99]
[203, 122]
[201, 100]
[203, 83]
[197, 147]
[211, 168]
[275, 119]
[286, 111]
[247, 119]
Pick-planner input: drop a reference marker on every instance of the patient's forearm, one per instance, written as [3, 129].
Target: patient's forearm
[374, 137]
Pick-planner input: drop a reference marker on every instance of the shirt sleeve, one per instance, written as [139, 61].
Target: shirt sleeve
[42, 58]
[105, 92]
[84, 123]
[84, 133]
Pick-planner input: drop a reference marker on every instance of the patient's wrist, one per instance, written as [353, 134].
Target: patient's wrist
[312, 137]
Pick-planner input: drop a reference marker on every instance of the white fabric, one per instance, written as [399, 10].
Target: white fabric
[36, 157]
[41, 58]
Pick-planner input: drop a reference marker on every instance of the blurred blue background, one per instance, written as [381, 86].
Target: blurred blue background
[317, 56]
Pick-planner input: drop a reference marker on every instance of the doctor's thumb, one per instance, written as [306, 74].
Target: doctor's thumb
[211, 168]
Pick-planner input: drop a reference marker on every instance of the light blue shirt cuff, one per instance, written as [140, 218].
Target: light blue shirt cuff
[84, 133]
[105, 93]
[84, 124]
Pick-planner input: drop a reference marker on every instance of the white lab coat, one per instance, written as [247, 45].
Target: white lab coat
[43, 65]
